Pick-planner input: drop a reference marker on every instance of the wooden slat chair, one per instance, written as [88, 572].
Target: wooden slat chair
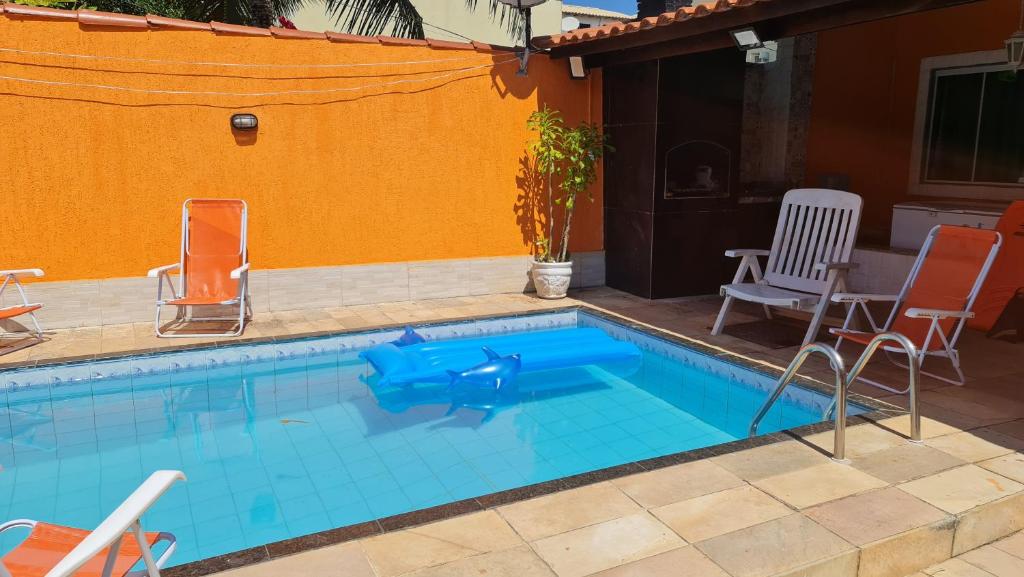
[936, 300]
[24, 307]
[808, 261]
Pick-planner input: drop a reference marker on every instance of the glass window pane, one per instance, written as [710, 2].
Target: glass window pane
[1001, 137]
[954, 125]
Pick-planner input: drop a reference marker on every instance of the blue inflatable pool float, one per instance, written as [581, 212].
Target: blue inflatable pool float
[429, 362]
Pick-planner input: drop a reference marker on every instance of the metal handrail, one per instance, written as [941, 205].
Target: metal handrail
[839, 448]
[913, 365]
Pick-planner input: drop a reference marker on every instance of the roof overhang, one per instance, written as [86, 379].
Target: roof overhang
[689, 31]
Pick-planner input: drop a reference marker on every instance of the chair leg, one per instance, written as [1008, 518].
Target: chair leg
[720, 321]
[767, 312]
[35, 322]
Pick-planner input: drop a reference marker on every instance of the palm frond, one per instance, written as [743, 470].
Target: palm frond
[508, 16]
[373, 17]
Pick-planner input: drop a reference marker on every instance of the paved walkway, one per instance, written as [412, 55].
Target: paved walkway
[1003, 558]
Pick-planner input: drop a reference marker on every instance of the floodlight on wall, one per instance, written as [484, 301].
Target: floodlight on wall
[576, 69]
[244, 121]
[1015, 43]
[746, 38]
[524, 6]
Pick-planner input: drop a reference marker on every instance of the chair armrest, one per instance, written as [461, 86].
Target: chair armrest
[916, 313]
[738, 252]
[836, 266]
[22, 272]
[862, 297]
[155, 272]
[114, 526]
[237, 273]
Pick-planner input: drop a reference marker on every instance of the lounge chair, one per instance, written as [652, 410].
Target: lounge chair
[25, 307]
[214, 265]
[809, 258]
[935, 301]
[58, 551]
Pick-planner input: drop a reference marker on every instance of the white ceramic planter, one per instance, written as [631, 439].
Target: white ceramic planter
[551, 279]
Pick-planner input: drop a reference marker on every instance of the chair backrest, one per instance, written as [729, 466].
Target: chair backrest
[815, 225]
[1007, 274]
[947, 275]
[213, 243]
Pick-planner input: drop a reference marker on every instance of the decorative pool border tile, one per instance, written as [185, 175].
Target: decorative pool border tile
[157, 361]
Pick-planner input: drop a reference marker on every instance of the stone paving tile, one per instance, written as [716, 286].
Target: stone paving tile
[567, 510]
[956, 568]
[905, 462]
[677, 483]
[780, 547]
[602, 546]
[860, 441]
[684, 560]
[1010, 466]
[517, 562]
[995, 561]
[818, 484]
[770, 460]
[962, 488]
[712, 515]
[976, 445]
[988, 522]
[345, 560]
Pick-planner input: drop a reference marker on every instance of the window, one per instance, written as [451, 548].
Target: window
[970, 141]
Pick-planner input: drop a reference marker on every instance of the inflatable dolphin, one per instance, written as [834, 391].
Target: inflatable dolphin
[409, 337]
[494, 373]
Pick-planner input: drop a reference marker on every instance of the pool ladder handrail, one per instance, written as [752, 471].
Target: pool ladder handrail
[843, 382]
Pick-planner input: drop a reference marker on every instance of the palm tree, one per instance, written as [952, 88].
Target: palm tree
[400, 17]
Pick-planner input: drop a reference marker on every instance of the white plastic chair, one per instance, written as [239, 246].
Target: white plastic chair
[57, 551]
[808, 261]
[936, 300]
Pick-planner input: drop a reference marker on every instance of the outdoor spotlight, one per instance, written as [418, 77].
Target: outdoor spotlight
[244, 121]
[576, 69]
[746, 38]
[1015, 50]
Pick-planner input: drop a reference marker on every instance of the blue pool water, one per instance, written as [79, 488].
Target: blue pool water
[287, 439]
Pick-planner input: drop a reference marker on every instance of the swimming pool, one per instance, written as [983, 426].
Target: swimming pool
[284, 439]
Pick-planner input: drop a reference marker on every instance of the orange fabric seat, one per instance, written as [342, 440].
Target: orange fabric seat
[195, 301]
[47, 544]
[12, 312]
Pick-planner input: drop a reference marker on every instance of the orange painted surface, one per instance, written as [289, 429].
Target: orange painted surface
[423, 168]
[865, 96]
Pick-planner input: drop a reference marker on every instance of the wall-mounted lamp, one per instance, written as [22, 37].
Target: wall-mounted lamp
[244, 121]
[746, 38]
[1015, 43]
[576, 69]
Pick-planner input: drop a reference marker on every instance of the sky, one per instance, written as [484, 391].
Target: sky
[624, 6]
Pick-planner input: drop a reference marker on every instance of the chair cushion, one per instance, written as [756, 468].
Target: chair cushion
[770, 295]
[47, 544]
[11, 312]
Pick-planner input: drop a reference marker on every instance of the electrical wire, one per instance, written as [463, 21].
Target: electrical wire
[252, 94]
[227, 64]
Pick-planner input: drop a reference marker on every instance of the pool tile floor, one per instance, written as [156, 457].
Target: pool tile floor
[778, 510]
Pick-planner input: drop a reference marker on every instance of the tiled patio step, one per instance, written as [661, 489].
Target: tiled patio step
[1003, 558]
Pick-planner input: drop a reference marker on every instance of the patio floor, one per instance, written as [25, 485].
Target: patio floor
[779, 509]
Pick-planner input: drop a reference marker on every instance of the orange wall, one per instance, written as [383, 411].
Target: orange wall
[93, 179]
[865, 95]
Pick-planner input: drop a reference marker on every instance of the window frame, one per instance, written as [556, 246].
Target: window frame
[931, 68]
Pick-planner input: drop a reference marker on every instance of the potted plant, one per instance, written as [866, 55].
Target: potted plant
[567, 156]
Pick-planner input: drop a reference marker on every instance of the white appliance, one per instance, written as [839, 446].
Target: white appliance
[911, 221]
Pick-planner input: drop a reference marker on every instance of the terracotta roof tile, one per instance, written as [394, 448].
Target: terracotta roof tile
[342, 37]
[176, 23]
[225, 28]
[96, 18]
[392, 41]
[278, 32]
[448, 45]
[483, 47]
[39, 12]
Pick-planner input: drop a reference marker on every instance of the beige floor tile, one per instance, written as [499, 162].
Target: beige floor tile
[818, 484]
[976, 445]
[606, 545]
[962, 488]
[518, 562]
[567, 510]
[995, 561]
[929, 427]
[769, 460]
[1010, 466]
[907, 552]
[1014, 545]
[905, 462]
[875, 515]
[956, 568]
[677, 483]
[712, 515]
[780, 547]
[684, 560]
[861, 440]
[429, 545]
[345, 560]
[989, 522]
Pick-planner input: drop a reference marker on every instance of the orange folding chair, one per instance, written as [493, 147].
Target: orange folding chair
[113, 549]
[936, 300]
[214, 265]
[24, 307]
